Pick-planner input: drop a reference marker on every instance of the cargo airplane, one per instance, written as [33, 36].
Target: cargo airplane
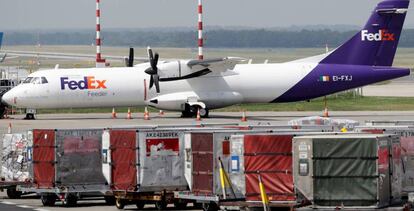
[191, 85]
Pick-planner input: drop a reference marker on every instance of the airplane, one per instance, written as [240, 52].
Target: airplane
[202, 85]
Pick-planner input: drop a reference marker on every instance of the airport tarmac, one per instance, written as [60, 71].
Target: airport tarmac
[62, 121]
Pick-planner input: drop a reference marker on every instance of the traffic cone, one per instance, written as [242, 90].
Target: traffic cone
[9, 129]
[198, 115]
[146, 114]
[162, 113]
[129, 116]
[244, 118]
[113, 113]
[325, 112]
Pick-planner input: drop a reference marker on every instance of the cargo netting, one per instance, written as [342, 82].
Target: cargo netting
[14, 160]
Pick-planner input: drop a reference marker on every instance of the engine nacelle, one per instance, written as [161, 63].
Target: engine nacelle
[177, 70]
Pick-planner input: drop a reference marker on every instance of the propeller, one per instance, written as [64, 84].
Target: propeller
[130, 60]
[153, 70]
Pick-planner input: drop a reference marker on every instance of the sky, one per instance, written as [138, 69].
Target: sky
[80, 14]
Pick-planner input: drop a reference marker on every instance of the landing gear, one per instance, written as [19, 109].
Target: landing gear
[191, 111]
[29, 116]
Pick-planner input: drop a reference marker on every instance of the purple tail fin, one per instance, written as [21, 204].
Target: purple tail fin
[376, 43]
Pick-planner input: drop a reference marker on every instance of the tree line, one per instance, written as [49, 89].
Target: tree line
[221, 38]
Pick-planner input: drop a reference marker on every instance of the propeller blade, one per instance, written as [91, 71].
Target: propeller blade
[151, 82]
[157, 82]
[156, 60]
[131, 57]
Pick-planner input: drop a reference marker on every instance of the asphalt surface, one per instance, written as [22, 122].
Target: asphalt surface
[61, 121]
[68, 121]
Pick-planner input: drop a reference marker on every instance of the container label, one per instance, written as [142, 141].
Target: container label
[105, 156]
[303, 147]
[303, 155]
[169, 146]
[235, 164]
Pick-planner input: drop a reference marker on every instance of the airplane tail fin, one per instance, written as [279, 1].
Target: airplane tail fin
[376, 44]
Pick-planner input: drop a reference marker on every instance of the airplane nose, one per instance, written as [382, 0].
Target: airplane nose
[8, 98]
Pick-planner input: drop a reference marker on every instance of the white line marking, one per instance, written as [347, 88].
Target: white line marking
[8, 202]
[25, 206]
[40, 209]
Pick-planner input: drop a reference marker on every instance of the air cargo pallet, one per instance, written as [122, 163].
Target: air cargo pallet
[160, 199]
[214, 202]
[69, 195]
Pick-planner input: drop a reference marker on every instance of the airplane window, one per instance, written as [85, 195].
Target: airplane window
[44, 80]
[36, 80]
[27, 80]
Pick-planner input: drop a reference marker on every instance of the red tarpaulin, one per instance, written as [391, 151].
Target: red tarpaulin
[123, 155]
[44, 158]
[271, 155]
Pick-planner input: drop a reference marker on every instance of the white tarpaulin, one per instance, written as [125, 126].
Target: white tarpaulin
[13, 154]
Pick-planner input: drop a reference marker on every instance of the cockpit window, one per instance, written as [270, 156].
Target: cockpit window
[36, 80]
[44, 80]
[27, 80]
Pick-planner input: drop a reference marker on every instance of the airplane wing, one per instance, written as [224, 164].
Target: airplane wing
[218, 64]
[68, 56]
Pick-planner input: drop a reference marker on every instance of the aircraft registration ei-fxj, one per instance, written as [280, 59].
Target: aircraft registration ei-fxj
[191, 85]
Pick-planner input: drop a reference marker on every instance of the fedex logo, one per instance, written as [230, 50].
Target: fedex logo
[382, 35]
[88, 82]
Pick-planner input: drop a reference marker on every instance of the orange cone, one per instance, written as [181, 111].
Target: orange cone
[129, 116]
[9, 130]
[113, 113]
[162, 113]
[325, 112]
[146, 114]
[244, 118]
[198, 115]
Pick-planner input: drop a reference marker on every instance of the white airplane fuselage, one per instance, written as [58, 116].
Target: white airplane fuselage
[128, 86]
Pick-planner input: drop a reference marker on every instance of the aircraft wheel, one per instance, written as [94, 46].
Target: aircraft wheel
[29, 116]
[204, 112]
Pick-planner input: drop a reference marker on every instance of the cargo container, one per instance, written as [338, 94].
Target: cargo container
[406, 134]
[356, 171]
[243, 155]
[13, 163]
[145, 166]
[66, 165]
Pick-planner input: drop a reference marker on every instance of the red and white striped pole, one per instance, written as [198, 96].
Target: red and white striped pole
[200, 30]
[99, 61]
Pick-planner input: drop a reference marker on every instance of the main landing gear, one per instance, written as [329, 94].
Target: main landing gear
[191, 111]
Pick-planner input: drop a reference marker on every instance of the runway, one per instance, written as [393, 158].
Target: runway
[62, 121]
